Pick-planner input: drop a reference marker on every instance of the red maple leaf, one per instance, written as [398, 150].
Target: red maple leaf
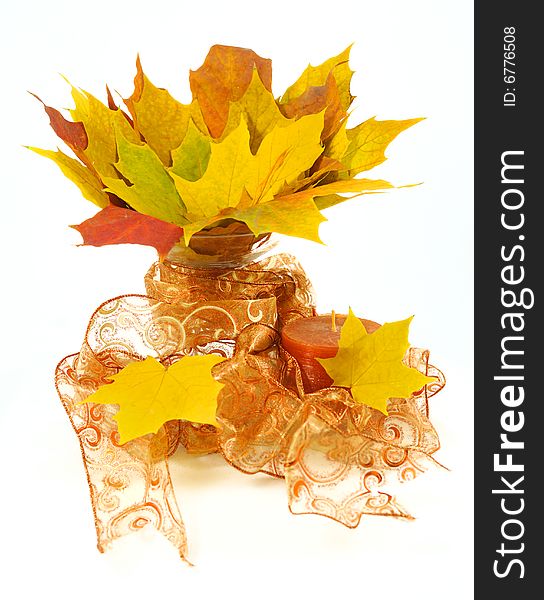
[116, 225]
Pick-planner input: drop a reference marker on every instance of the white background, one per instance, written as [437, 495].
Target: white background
[388, 256]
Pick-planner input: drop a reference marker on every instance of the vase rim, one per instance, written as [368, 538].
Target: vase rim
[231, 249]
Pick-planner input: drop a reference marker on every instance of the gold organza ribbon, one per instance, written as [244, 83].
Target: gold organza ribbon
[339, 459]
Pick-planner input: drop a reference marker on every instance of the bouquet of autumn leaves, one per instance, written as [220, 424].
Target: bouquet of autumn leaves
[162, 171]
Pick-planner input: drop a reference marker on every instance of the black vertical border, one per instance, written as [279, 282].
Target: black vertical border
[500, 128]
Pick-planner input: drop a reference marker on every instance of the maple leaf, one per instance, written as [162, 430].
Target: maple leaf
[224, 77]
[283, 155]
[90, 186]
[371, 364]
[159, 117]
[317, 76]
[101, 124]
[368, 141]
[229, 168]
[115, 225]
[233, 172]
[293, 216]
[152, 191]
[149, 394]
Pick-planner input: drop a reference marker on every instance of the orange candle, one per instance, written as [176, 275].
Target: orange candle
[315, 337]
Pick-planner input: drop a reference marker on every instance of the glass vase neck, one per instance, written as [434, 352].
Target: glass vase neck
[216, 249]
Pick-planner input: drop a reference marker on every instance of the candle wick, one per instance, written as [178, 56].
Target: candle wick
[333, 321]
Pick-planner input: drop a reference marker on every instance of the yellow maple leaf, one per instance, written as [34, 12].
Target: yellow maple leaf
[149, 395]
[289, 216]
[283, 155]
[233, 170]
[159, 117]
[90, 186]
[229, 168]
[368, 142]
[293, 216]
[296, 214]
[371, 364]
[101, 123]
